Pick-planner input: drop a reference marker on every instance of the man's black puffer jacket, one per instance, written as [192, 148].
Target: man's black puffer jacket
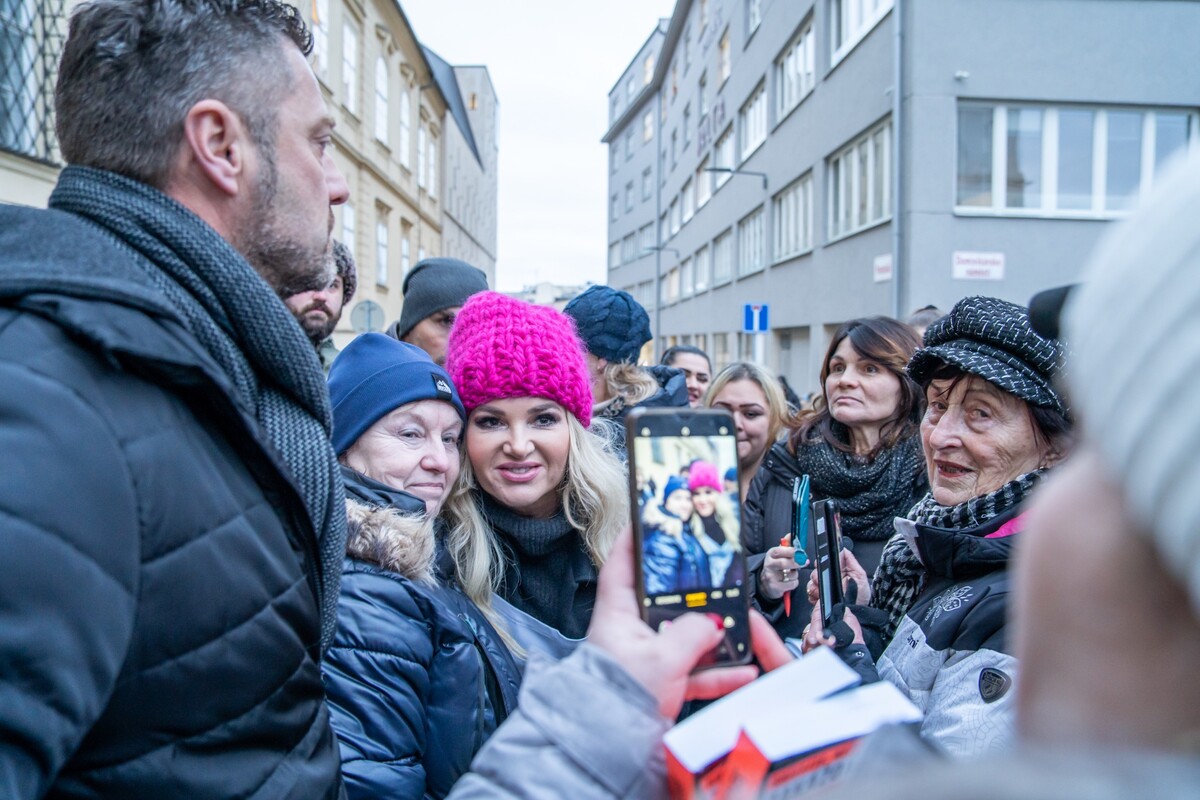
[159, 627]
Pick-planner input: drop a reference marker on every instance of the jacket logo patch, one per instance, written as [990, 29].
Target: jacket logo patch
[442, 387]
[993, 684]
[950, 600]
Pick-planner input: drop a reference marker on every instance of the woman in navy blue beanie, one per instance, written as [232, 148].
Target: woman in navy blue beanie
[417, 676]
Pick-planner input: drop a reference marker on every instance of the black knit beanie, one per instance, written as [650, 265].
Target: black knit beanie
[435, 284]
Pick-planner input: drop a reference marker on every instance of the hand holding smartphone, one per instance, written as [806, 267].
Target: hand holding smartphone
[687, 537]
[828, 525]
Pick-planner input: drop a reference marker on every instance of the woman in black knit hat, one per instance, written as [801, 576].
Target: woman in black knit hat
[859, 446]
[994, 425]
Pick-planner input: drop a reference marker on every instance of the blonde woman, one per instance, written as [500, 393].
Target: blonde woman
[540, 499]
[751, 394]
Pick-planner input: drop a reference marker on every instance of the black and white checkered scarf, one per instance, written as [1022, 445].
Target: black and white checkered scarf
[900, 577]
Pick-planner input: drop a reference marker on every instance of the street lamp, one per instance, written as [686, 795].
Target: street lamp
[733, 171]
[658, 287]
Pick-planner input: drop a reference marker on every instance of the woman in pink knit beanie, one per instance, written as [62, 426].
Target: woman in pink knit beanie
[540, 497]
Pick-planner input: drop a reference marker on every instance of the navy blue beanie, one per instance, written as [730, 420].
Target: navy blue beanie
[674, 484]
[610, 322]
[377, 374]
[731, 474]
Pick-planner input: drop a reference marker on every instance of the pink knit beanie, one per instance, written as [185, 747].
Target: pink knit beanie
[702, 473]
[501, 347]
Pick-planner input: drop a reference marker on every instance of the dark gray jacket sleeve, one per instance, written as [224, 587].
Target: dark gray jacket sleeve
[584, 728]
[69, 551]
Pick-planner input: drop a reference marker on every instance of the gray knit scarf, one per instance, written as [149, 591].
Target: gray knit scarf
[900, 578]
[233, 313]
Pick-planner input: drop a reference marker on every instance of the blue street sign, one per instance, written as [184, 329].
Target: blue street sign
[755, 319]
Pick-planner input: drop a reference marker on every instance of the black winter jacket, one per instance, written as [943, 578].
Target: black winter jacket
[767, 516]
[672, 393]
[159, 627]
[417, 677]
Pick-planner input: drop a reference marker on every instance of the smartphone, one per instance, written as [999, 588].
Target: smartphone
[800, 517]
[828, 524]
[688, 534]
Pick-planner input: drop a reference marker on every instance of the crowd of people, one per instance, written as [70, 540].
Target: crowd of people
[230, 574]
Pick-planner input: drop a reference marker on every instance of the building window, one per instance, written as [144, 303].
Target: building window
[647, 126]
[628, 248]
[647, 183]
[629, 196]
[671, 286]
[645, 240]
[723, 156]
[795, 71]
[348, 231]
[628, 145]
[1068, 161]
[687, 126]
[613, 207]
[793, 219]
[701, 270]
[860, 182]
[421, 154]
[703, 183]
[381, 100]
[720, 350]
[752, 121]
[724, 62]
[404, 255]
[703, 14]
[685, 278]
[614, 255]
[689, 200]
[702, 94]
[613, 157]
[674, 79]
[405, 129]
[687, 49]
[663, 233]
[754, 15]
[673, 213]
[350, 68]
[851, 20]
[722, 268]
[432, 168]
[630, 89]
[381, 250]
[648, 69]
[752, 241]
[320, 34]
[674, 147]
[420, 254]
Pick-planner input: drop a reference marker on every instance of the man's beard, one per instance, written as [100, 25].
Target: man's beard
[288, 265]
[317, 332]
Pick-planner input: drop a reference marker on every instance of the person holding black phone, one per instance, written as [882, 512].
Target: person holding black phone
[859, 446]
[995, 424]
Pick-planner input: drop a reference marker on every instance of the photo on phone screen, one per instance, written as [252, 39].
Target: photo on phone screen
[828, 525]
[685, 522]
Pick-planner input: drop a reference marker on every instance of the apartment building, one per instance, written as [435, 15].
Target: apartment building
[830, 159]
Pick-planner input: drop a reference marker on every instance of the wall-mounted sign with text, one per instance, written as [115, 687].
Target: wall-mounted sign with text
[969, 266]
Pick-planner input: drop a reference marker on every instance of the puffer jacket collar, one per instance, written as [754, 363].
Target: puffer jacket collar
[966, 553]
[387, 528]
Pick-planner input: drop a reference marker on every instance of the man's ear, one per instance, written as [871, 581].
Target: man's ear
[218, 144]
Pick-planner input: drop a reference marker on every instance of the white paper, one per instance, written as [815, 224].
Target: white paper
[785, 693]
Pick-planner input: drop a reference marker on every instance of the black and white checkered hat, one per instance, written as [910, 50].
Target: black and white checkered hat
[993, 339]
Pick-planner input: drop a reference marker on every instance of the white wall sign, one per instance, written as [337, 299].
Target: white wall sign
[970, 266]
[883, 268]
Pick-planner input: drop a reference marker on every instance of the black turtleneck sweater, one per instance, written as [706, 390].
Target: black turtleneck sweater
[547, 572]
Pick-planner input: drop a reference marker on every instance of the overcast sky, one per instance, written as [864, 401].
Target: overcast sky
[552, 63]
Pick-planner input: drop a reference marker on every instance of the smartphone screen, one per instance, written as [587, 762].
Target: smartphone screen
[829, 566]
[684, 483]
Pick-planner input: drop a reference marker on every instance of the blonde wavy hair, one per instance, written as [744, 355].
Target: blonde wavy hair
[627, 380]
[594, 497]
[778, 413]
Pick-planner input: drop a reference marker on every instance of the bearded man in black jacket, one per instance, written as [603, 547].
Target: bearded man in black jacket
[171, 522]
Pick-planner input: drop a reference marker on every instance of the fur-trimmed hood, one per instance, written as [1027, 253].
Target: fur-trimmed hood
[391, 539]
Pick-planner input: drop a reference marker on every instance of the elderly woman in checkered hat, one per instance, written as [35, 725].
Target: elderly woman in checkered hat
[994, 425]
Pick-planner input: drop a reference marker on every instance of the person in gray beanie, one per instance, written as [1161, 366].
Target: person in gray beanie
[614, 327]
[319, 311]
[434, 290]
